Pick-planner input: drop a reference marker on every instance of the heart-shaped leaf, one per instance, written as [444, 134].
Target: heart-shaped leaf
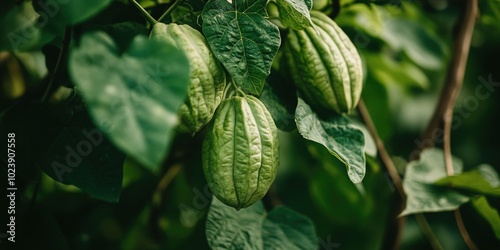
[253, 228]
[344, 140]
[132, 97]
[423, 194]
[295, 13]
[482, 180]
[242, 39]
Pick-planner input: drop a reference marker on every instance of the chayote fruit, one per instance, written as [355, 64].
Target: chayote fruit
[241, 152]
[207, 76]
[324, 65]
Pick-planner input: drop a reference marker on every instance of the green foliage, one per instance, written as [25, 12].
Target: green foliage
[482, 180]
[419, 184]
[421, 46]
[97, 94]
[344, 140]
[295, 13]
[52, 17]
[253, 228]
[489, 213]
[18, 30]
[281, 101]
[137, 109]
[393, 72]
[242, 39]
[55, 15]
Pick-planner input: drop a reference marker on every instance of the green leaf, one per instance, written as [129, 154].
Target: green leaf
[279, 97]
[423, 194]
[490, 214]
[422, 46]
[24, 29]
[242, 39]
[483, 180]
[56, 15]
[286, 229]
[122, 33]
[18, 30]
[68, 147]
[370, 146]
[280, 100]
[387, 70]
[295, 13]
[344, 140]
[185, 14]
[133, 98]
[253, 228]
[364, 18]
[228, 229]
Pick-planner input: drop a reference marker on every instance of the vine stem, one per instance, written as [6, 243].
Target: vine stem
[462, 47]
[444, 110]
[442, 114]
[143, 12]
[398, 184]
[463, 231]
[170, 9]
[171, 168]
[60, 58]
[384, 156]
[427, 231]
[448, 162]
[173, 165]
[226, 90]
[455, 74]
[157, 200]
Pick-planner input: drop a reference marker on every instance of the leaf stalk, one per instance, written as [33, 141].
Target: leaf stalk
[170, 10]
[143, 12]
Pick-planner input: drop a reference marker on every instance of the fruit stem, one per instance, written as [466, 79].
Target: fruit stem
[169, 10]
[143, 12]
[226, 91]
[237, 88]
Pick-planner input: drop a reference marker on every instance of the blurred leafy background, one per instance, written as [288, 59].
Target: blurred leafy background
[405, 47]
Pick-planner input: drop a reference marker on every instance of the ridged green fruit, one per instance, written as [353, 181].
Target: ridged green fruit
[324, 65]
[207, 77]
[241, 152]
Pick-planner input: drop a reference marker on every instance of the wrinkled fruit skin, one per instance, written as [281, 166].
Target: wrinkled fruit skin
[207, 77]
[241, 152]
[324, 65]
